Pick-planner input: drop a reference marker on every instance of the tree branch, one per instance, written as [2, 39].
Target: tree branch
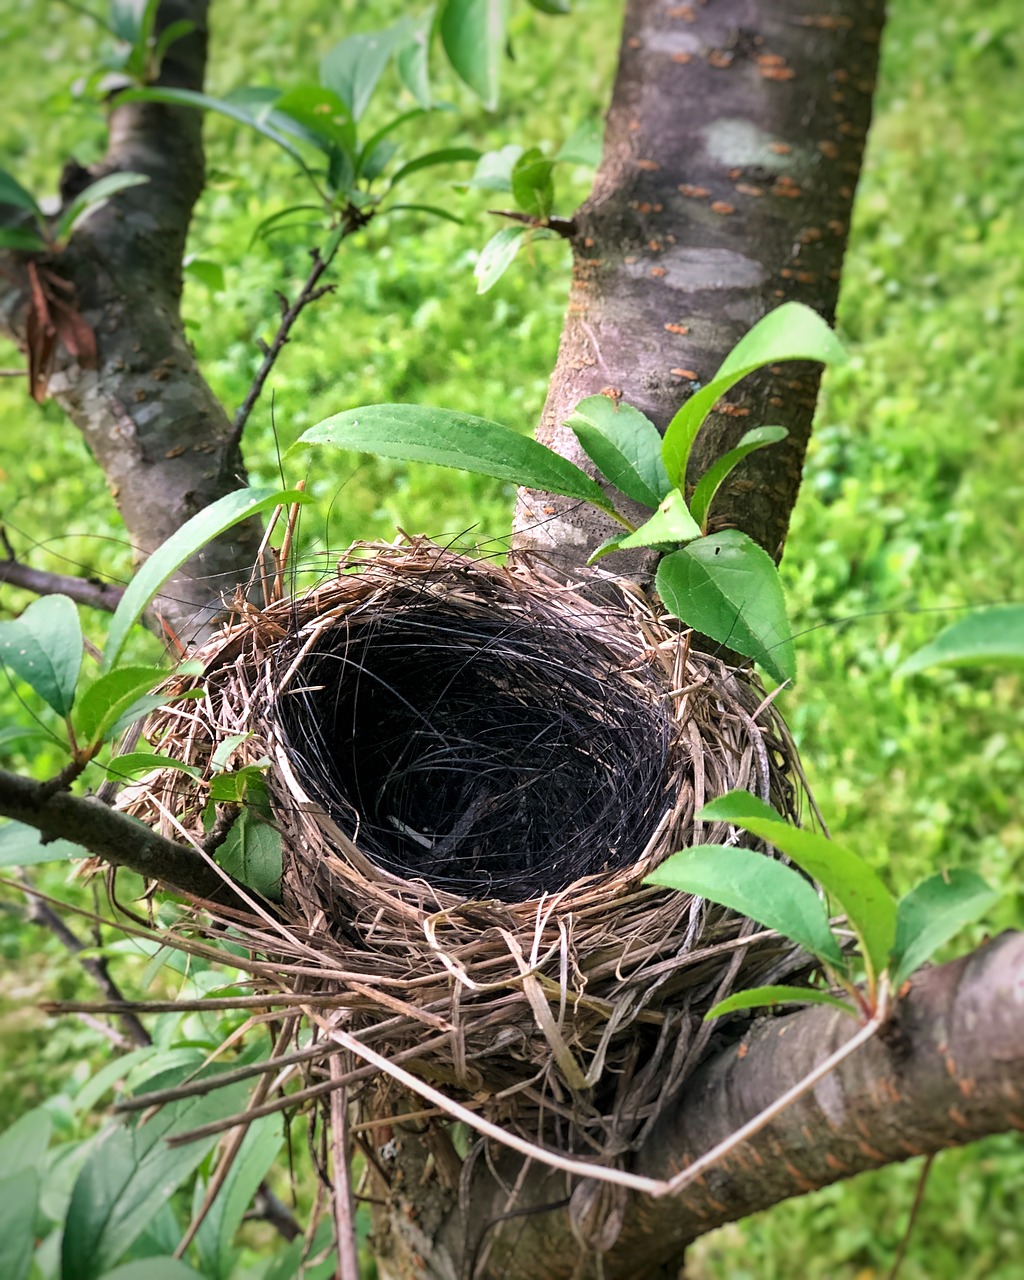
[947, 1071]
[731, 156]
[113, 836]
[87, 591]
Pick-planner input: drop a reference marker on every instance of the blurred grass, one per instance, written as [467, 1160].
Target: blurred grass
[911, 507]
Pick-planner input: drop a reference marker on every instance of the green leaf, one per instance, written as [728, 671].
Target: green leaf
[554, 7]
[670, 525]
[271, 223]
[869, 906]
[762, 997]
[109, 1075]
[447, 155]
[142, 707]
[153, 1269]
[171, 34]
[790, 332]
[324, 117]
[12, 192]
[355, 65]
[22, 732]
[24, 846]
[606, 548]
[533, 188]
[583, 146]
[774, 895]
[129, 1174]
[413, 59]
[496, 256]
[109, 696]
[20, 238]
[421, 433]
[255, 1158]
[494, 169]
[210, 274]
[93, 198]
[473, 35]
[252, 855]
[712, 479]
[727, 588]
[375, 139]
[23, 1145]
[136, 763]
[993, 636]
[241, 114]
[933, 912]
[43, 647]
[205, 525]
[19, 1201]
[221, 756]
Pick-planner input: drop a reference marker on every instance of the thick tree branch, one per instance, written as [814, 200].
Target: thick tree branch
[154, 426]
[116, 837]
[948, 1070]
[731, 156]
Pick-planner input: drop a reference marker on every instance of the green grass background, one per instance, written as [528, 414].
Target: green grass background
[911, 507]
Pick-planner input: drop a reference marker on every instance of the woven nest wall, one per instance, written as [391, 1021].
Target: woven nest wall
[472, 769]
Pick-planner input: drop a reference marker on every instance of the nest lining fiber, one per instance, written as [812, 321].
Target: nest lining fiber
[473, 768]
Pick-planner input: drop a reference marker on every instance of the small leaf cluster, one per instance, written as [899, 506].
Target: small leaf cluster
[723, 585]
[893, 938]
[44, 647]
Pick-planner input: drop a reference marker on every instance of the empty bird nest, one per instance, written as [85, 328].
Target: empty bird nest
[472, 768]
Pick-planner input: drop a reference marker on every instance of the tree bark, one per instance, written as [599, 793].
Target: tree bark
[152, 423]
[731, 156]
[946, 1070]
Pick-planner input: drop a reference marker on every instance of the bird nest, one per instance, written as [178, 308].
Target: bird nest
[472, 769]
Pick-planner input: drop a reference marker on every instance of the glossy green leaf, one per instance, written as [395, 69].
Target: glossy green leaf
[790, 332]
[868, 905]
[421, 433]
[473, 35]
[210, 274]
[554, 7]
[23, 1145]
[625, 446]
[19, 1200]
[712, 479]
[12, 192]
[205, 525]
[494, 169]
[254, 1160]
[533, 187]
[109, 696]
[252, 854]
[764, 997]
[413, 59]
[932, 913]
[24, 846]
[22, 239]
[129, 1174]
[225, 748]
[774, 895]
[671, 524]
[496, 256]
[447, 155]
[234, 110]
[583, 146]
[431, 209]
[993, 636]
[136, 763]
[166, 1268]
[93, 198]
[110, 1074]
[43, 647]
[322, 114]
[728, 589]
[354, 66]
[606, 548]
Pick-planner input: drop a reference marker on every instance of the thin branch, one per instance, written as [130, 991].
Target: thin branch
[87, 591]
[290, 312]
[113, 836]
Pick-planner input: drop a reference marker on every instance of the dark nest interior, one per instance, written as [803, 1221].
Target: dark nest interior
[472, 768]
